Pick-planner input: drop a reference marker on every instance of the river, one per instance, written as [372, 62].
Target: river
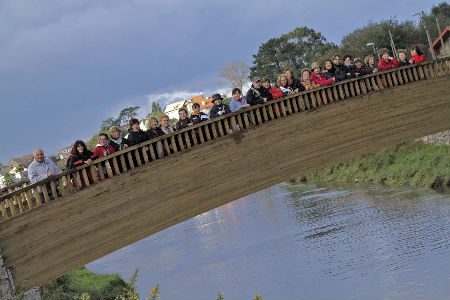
[301, 242]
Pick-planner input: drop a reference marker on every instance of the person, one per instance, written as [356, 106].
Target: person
[165, 126]
[117, 142]
[370, 64]
[339, 71]
[184, 121]
[319, 78]
[258, 94]
[348, 67]
[154, 131]
[416, 55]
[135, 134]
[402, 60]
[219, 109]
[283, 85]
[40, 168]
[386, 62]
[198, 116]
[293, 82]
[306, 80]
[329, 70]
[79, 156]
[237, 102]
[358, 67]
[274, 91]
[103, 148]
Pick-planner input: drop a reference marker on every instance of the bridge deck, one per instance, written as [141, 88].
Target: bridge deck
[40, 243]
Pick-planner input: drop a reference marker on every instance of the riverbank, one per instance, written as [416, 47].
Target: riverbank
[412, 163]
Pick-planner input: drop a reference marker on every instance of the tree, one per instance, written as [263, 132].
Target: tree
[8, 178]
[296, 49]
[235, 74]
[156, 110]
[126, 114]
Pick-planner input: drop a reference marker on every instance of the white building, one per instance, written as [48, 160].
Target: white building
[172, 109]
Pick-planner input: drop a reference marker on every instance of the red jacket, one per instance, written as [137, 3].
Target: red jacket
[320, 79]
[386, 65]
[417, 58]
[276, 92]
[99, 151]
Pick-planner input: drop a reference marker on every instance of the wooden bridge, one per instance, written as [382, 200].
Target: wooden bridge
[139, 192]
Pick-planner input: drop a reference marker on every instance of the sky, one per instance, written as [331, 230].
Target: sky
[67, 65]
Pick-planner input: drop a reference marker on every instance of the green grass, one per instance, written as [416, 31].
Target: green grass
[411, 163]
[74, 284]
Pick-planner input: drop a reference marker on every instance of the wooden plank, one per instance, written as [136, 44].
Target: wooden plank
[201, 135]
[352, 88]
[252, 117]
[246, 121]
[277, 109]
[130, 161]
[405, 76]
[373, 83]
[12, 208]
[227, 126]
[233, 123]
[68, 184]
[347, 91]
[394, 78]
[165, 142]
[138, 157]
[93, 169]
[288, 105]
[264, 111]
[174, 145]
[123, 163]
[418, 70]
[294, 105]
[194, 137]
[410, 75]
[323, 93]
[318, 98]
[45, 192]
[53, 188]
[108, 169]
[258, 115]
[329, 95]
[187, 140]
[220, 127]
[18, 199]
[335, 93]
[313, 99]
[214, 130]
[36, 196]
[389, 80]
[101, 171]
[152, 151]
[62, 188]
[357, 88]
[399, 75]
[29, 198]
[144, 155]
[85, 177]
[363, 86]
[240, 123]
[283, 108]
[3, 210]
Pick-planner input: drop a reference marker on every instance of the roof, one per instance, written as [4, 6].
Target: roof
[205, 103]
[445, 35]
[175, 106]
[23, 161]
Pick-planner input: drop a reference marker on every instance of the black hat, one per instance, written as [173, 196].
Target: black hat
[216, 97]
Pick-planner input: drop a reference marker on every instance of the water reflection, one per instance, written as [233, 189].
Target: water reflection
[298, 242]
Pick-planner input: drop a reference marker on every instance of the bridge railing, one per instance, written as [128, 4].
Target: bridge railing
[74, 180]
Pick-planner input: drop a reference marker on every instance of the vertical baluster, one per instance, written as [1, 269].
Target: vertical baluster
[214, 130]
[227, 125]
[427, 70]
[23, 198]
[435, 67]
[383, 81]
[420, 71]
[173, 143]
[93, 171]
[404, 76]
[347, 91]
[115, 163]
[165, 142]
[306, 101]
[207, 132]
[36, 196]
[187, 140]
[352, 88]
[123, 163]
[138, 156]
[373, 83]
[288, 105]
[233, 124]
[68, 183]
[152, 151]
[201, 135]
[108, 170]
[18, 200]
[130, 161]
[335, 94]
[368, 85]
[12, 208]
[239, 120]
[410, 75]
[246, 121]
[220, 127]
[29, 199]
[294, 105]
[3, 210]
[252, 117]
[276, 107]
[414, 71]
[45, 192]
[313, 99]
[258, 115]
[394, 77]
[264, 111]
[363, 87]
[53, 188]
[101, 172]
[62, 188]
[85, 177]
[194, 137]
[324, 96]
[399, 76]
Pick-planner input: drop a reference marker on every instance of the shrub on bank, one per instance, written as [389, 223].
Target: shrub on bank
[412, 163]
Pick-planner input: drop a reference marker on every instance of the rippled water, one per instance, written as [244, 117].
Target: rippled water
[301, 242]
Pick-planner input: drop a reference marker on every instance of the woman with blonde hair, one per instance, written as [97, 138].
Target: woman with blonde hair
[117, 142]
[369, 61]
[165, 125]
[283, 85]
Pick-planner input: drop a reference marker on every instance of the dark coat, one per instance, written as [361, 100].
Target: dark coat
[297, 84]
[117, 146]
[403, 62]
[135, 138]
[76, 160]
[199, 118]
[370, 69]
[361, 71]
[330, 73]
[256, 96]
[216, 110]
[154, 133]
[183, 123]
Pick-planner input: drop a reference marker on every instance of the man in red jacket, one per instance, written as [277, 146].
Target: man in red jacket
[318, 78]
[387, 62]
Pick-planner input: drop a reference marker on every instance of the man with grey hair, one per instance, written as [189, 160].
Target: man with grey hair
[40, 168]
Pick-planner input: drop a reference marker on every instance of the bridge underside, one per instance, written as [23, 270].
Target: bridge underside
[49, 241]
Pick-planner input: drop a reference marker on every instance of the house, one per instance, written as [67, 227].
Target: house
[63, 153]
[205, 103]
[442, 49]
[23, 161]
[172, 109]
[5, 168]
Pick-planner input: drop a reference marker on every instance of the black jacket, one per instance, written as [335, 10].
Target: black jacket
[361, 71]
[255, 96]
[296, 84]
[154, 133]
[216, 109]
[135, 138]
[403, 62]
[183, 123]
[330, 73]
[117, 146]
[199, 118]
[76, 160]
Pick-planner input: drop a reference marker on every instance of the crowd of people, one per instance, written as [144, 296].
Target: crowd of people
[260, 92]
